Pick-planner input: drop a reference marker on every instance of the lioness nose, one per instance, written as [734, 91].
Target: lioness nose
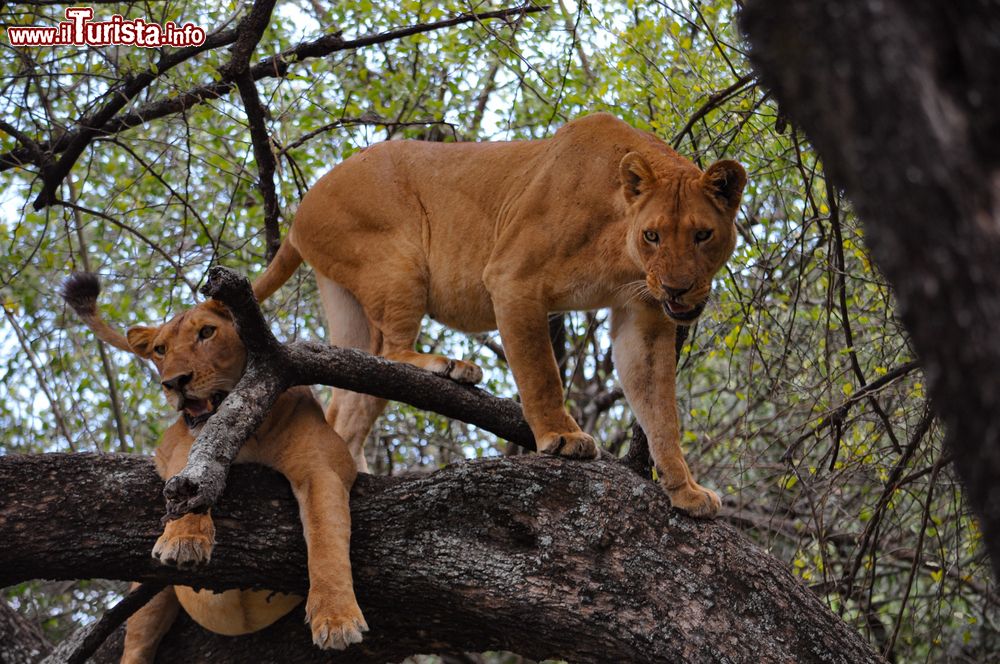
[675, 293]
[177, 382]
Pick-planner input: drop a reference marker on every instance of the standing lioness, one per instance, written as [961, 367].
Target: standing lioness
[498, 235]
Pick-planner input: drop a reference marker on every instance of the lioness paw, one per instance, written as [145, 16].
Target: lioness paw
[333, 628]
[459, 371]
[574, 445]
[695, 500]
[184, 551]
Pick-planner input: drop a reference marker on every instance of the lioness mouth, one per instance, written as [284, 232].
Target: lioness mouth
[681, 312]
[197, 411]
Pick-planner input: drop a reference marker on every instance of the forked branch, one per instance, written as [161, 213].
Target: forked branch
[272, 368]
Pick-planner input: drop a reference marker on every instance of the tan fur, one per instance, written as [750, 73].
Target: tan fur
[202, 346]
[486, 236]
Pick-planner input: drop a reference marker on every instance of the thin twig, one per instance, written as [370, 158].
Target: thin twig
[714, 100]
[845, 322]
[22, 338]
[916, 558]
[350, 122]
[272, 67]
[159, 178]
[122, 225]
[890, 488]
[838, 413]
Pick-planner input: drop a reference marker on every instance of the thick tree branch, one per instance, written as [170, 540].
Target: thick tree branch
[251, 30]
[546, 557]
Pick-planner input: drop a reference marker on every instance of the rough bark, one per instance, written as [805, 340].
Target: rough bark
[901, 100]
[546, 557]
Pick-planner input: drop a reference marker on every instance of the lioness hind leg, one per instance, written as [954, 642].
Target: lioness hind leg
[458, 370]
[352, 414]
[400, 328]
[147, 626]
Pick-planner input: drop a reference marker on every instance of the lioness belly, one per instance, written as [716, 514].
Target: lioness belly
[461, 306]
[235, 612]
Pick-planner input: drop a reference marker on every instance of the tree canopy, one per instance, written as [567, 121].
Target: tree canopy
[801, 399]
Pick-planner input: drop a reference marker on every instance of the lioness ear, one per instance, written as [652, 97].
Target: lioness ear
[140, 338]
[724, 181]
[219, 308]
[636, 175]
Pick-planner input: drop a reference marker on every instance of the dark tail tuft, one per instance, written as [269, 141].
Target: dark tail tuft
[80, 290]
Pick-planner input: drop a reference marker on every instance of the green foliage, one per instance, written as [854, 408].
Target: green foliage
[761, 377]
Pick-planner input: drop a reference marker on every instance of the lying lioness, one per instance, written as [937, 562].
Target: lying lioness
[498, 235]
[200, 358]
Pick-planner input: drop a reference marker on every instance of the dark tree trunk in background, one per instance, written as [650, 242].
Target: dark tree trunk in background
[902, 101]
[21, 641]
[545, 557]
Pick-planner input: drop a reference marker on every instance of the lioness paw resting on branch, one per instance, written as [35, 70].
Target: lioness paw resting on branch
[485, 236]
[200, 358]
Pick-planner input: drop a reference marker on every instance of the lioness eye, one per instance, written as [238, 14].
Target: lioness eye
[651, 236]
[160, 350]
[701, 236]
[206, 332]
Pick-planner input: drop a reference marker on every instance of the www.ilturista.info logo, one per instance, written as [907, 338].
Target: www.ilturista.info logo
[79, 30]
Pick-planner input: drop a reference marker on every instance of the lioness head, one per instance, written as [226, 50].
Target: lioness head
[682, 228]
[199, 356]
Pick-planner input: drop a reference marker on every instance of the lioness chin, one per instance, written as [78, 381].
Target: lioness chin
[485, 236]
[200, 358]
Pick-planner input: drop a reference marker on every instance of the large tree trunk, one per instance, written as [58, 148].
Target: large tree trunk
[546, 557]
[902, 100]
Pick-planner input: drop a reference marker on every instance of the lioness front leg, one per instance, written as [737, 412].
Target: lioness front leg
[331, 607]
[524, 328]
[644, 355]
[186, 542]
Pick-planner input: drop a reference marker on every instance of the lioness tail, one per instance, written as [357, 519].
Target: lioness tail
[285, 262]
[80, 291]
